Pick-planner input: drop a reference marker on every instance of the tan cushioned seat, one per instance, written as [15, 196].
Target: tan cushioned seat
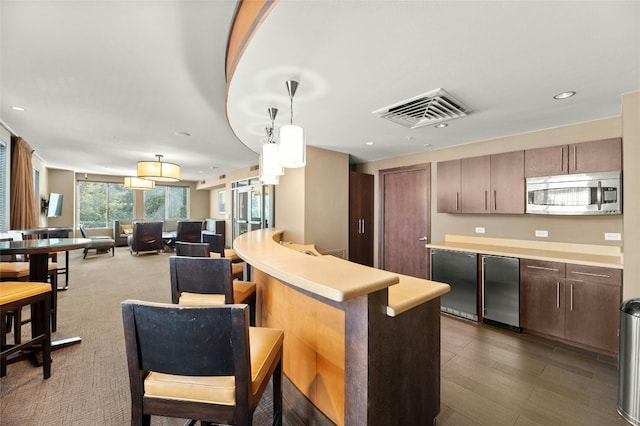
[14, 269]
[264, 344]
[10, 291]
[199, 299]
[241, 291]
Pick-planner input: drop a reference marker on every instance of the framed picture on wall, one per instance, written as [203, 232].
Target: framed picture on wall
[221, 202]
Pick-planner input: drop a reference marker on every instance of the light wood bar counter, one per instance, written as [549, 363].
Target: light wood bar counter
[362, 345]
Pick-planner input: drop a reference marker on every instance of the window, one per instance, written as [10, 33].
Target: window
[166, 202]
[4, 188]
[103, 202]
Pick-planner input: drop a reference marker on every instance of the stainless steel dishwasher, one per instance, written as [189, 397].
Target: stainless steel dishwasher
[459, 270]
[501, 290]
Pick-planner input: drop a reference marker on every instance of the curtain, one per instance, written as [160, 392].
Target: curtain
[24, 214]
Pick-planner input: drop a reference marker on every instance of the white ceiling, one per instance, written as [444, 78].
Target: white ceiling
[108, 83]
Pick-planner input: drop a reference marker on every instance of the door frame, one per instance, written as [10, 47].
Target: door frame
[381, 176]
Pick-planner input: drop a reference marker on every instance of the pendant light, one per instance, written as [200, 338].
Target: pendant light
[132, 182]
[269, 161]
[292, 145]
[158, 171]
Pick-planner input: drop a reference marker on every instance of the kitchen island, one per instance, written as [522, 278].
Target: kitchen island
[362, 345]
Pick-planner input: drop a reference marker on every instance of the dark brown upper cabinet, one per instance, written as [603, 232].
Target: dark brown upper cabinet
[586, 157]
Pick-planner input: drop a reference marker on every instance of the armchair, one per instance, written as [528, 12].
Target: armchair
[146, 236]
[189, 231]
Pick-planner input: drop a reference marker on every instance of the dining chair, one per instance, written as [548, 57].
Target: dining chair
[203, 250]
[15, 295]
[208, 281]
[199, 362]
[217, 249]
[14, 269]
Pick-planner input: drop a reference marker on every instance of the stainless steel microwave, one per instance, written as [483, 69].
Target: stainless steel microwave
[575, 194]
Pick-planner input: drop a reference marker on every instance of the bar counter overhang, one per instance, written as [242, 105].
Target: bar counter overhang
[362, 345]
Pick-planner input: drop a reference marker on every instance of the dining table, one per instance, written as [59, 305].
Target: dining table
[45, 232]
[38, 253]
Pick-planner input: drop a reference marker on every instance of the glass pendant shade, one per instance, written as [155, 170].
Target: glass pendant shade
[293, 151]
[132, 182]
[158, 170]
[269, 164]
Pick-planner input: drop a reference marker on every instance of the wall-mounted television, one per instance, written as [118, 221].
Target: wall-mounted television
[54, 209]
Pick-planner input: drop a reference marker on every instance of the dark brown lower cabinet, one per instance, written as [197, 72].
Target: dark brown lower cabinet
[542, 297]
[579, 306]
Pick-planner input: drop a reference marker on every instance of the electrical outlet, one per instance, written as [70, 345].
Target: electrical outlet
[542, 234]
[612, 236]
[479, 230]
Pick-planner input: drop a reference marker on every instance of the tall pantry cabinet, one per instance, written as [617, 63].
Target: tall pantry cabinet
[361, 218]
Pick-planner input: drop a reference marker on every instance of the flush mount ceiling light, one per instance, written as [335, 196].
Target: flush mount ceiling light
[269, 160]
[18, 108]
[132, 182]
[293, 150]
[564, 95]
[440, 125]
[158, 171]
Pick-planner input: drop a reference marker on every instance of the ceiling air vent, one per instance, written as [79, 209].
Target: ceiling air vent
[429, 108]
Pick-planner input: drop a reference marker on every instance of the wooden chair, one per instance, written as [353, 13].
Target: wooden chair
[11, 269]
[217, 249]
[192, 249]
[207, 281]
[199, 362]
[202, 250]
[14, 295]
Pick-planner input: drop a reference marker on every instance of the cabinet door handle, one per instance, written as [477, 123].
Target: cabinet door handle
[485, 200]
[495, 200]
[575, 158]
[558, 295]
[457, 201]
[363, 226]
[543, 268]
[589, 274]
[571, 301]
[562, 159]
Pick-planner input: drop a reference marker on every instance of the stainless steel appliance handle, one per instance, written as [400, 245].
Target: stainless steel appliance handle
[591, 274]
[599, 195]
[543, 268]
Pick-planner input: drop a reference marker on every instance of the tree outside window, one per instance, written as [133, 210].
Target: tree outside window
[166, 202]
[103, 202]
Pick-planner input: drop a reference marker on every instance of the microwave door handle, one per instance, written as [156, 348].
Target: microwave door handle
[599, 195]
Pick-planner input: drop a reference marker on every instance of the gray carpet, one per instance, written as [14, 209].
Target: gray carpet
[89, 383]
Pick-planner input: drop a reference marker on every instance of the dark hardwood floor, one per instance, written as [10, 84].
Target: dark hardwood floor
[492, 376]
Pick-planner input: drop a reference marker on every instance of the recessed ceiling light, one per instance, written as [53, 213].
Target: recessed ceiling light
[369, 143]
[183, 134]
[564, 95]
[427, 145]
[440, 125]
[18, 108]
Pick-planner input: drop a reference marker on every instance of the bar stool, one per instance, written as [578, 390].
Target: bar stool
[14, 295]
[19, 271]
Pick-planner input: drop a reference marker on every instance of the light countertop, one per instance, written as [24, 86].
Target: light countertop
[581, 254]
[328, 276]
